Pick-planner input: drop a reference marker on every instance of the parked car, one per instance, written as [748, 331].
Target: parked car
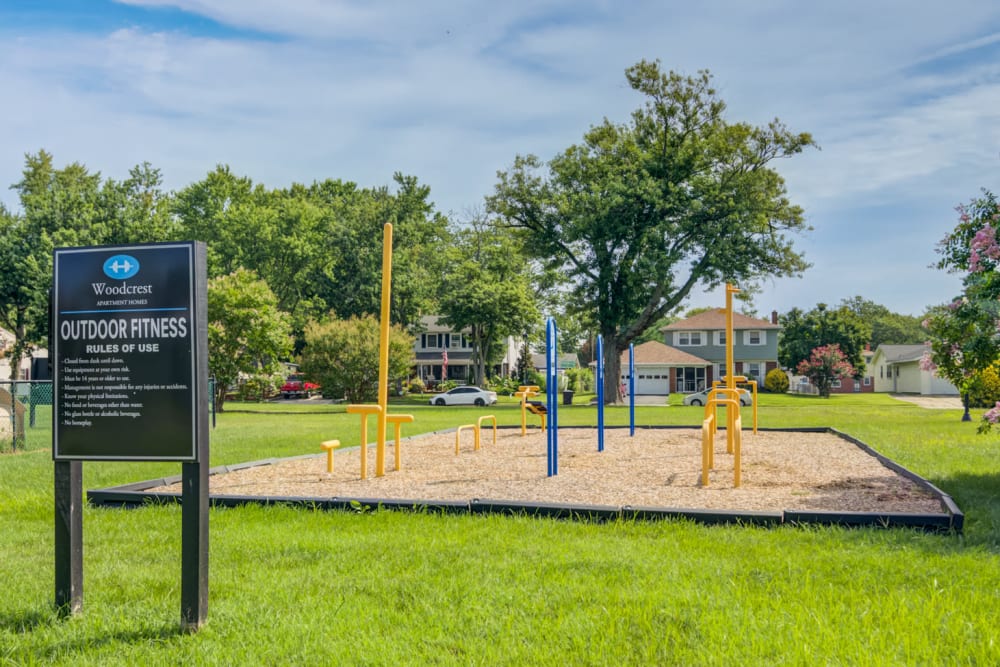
[701, 397]
[466, 396]
[296, 386]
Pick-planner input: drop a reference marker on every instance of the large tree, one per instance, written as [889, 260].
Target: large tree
[802, 332]
[247, 333]
[640, 213]
[487, 290]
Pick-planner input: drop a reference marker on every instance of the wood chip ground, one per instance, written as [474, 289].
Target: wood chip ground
[655, 468]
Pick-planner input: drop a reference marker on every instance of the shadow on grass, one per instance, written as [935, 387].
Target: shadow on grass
[978, 496]
[27, 620]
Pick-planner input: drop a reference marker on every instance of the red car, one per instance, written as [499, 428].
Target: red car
[298, 387]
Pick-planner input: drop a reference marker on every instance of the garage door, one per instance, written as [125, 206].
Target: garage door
[652, 381]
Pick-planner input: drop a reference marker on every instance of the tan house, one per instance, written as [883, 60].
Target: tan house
[658, 367]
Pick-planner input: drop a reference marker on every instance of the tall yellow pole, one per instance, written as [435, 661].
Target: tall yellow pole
[730, 374]
[383, 347]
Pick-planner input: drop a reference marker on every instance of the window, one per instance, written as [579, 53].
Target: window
[753, 370]
[835, 384]
[722, 370]
[868, 381]
[456, 341]
[689, 338]
[720, 337]
[881, 371]
[754, 337]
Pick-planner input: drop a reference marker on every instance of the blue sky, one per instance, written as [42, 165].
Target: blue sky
[903, 99]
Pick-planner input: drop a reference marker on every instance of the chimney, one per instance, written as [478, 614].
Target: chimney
[774, 317]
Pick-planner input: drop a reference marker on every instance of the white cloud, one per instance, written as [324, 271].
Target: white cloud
[451, 92]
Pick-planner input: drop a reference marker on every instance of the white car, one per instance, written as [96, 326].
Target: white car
[466, 396]
[701, 398]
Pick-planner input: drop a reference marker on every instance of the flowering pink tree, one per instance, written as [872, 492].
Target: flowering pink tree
[965, 334]
[824, 365]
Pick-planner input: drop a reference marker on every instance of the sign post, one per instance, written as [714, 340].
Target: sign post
[129, 342]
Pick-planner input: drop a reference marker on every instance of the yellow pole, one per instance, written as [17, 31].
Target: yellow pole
[730, 374]
[383, 347]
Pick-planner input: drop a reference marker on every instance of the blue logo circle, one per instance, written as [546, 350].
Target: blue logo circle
[121, 267]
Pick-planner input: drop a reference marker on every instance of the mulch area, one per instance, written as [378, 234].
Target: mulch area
[655, 468]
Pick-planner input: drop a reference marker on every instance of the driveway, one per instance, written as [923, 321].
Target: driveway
[931, 402]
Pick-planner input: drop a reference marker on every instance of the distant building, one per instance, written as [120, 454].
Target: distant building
[896, 369]
[439, 342]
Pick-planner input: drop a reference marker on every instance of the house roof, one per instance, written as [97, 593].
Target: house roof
[895, 354]
[655, 352]
[716, 319]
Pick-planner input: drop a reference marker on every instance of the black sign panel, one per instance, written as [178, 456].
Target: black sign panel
[124, 348]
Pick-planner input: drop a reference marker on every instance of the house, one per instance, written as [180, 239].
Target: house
[444, 354]
[703, 336]
[33, 366]
[658, 367]
[896, 369]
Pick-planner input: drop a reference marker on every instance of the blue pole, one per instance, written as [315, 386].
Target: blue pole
[631, 389]
[555, 401]
[551, 389]
[600, 393]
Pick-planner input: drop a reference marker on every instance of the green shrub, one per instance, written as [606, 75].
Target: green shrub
[416, 386]
[580, 379]
[504, 385]
[259, 387]
[446, 385]
[776, 381]
[984, 391]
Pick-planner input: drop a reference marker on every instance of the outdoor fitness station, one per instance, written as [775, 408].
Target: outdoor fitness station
[726, 394]
[723, 394]
[381, 410]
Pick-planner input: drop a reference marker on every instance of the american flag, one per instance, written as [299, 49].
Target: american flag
[444, 358]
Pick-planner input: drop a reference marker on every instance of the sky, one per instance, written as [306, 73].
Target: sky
[902, 98]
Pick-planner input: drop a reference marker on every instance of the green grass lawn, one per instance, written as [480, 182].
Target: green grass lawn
[295, 586]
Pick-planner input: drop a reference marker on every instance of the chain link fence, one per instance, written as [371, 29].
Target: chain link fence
[25, 415]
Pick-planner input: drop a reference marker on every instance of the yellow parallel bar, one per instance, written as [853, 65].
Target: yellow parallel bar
[458, 435]
[479, 426]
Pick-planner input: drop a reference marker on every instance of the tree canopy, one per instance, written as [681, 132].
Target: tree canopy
[888, 328]
[486, 290]
[802, 332]
[640, 213]
[247, 333]
[965, 334]
[343, 356]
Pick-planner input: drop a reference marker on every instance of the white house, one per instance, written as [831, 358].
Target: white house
[896, 369]
[24, 373]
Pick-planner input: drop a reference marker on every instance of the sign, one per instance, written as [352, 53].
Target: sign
[125, 352]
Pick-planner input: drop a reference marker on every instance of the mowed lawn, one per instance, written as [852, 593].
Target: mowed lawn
[292, 586]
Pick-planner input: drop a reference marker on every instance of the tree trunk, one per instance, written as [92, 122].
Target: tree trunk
[612, 368]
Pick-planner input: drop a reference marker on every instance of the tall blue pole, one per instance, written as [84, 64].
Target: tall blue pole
[600, 393]
[552, 397]
[631, 389]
